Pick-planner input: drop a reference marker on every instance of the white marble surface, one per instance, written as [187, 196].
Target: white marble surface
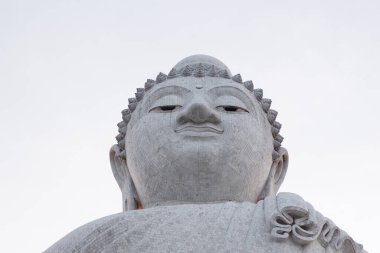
[220, 227]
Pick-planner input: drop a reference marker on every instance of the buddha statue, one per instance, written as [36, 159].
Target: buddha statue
[199, 163]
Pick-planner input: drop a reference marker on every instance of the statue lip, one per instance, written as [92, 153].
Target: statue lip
[202, 128]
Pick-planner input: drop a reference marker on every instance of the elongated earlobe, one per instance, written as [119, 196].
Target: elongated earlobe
[120, 171]
[276, 175]
[281, 167]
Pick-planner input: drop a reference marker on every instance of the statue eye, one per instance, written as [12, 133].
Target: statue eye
[165, 108]
[230, 108]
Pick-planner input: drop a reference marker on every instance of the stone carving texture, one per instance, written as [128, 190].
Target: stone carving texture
[297, 220]
[199, 151]
[202, 70]
[223, 227]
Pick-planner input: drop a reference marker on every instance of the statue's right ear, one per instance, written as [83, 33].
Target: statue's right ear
[123, 178]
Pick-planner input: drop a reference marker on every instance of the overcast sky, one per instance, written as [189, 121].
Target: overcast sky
[67, 69]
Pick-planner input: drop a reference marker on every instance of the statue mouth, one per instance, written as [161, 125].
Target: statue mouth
[203, 128]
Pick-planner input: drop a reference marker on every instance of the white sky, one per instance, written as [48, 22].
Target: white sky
[67, 69]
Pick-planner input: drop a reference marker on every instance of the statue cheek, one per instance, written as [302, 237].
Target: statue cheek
[237, 165]
[245, 161]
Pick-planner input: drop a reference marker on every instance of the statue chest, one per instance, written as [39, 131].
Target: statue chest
[272, 225]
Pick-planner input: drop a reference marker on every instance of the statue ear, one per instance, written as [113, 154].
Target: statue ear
[123, 178]
[277, 174]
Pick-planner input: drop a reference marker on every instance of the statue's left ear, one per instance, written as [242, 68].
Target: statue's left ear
[277, 174]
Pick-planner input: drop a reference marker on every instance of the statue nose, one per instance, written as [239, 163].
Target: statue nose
[198, 111]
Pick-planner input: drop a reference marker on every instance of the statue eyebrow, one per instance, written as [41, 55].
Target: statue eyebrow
[236, 93]
[176, 87]
[162, 91]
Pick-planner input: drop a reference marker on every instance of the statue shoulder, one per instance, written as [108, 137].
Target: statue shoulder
[282, 223]
[290, 217]
[85, 235]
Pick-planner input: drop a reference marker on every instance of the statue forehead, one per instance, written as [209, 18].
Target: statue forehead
[199, 86]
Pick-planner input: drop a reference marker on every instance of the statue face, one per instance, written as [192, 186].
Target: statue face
[198, 140]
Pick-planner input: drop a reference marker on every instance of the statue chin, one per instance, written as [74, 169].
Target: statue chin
[202, 177]
[199, 161]
[198, 167]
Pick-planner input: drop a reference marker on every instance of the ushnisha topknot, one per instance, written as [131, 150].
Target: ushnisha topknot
[200, 66]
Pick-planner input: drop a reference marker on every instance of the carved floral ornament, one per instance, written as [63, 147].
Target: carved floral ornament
[297, 220]
[200, 70]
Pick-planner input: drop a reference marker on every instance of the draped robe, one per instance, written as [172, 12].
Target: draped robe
[285, 223]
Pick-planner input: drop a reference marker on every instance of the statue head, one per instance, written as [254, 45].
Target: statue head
[198, 135]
